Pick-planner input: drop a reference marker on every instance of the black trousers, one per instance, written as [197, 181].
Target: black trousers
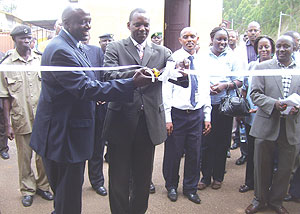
[95, 164]
[66, 181]
[249, 179]
[215, 146]
[130, 170]
[186, 136]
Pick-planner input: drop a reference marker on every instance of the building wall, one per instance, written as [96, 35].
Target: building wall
[205, 15]
[112, 17]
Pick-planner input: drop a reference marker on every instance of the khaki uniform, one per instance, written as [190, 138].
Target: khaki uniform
[24, 89]
[3, 138]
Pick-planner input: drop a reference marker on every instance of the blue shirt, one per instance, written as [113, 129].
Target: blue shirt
[252, 56]
[226, 62]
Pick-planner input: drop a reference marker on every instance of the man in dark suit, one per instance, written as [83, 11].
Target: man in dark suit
[272, 127]
[133, 129]
[64, 128]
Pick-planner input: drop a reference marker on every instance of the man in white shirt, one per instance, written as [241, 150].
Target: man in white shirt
[187, 114]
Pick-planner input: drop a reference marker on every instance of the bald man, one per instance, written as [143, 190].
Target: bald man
[187, 113]
[64, 127]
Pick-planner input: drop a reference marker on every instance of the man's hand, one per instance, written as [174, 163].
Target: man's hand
[294, 110]
[10, 132]
[142, 77]
[207, 128]
[169, 126]
[185, 64]
[280, 106]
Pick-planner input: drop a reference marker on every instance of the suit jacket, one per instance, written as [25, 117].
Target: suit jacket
[96, 57]
[63, 130]
[266, 90]
[122, 118]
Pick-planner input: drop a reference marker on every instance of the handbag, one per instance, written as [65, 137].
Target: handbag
[234, 106]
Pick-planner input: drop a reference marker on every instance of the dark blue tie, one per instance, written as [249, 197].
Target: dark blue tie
[194, 82]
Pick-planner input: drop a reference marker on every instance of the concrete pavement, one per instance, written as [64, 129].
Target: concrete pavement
[226, 200]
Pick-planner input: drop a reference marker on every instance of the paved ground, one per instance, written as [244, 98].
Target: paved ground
[227, 200]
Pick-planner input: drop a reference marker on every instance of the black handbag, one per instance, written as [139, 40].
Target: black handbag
[234, 106]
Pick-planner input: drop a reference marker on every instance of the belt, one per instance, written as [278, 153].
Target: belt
[283, 116]
[188, 111]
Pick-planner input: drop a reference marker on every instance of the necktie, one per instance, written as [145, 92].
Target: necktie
[194, 82]
[140, 50]
[82, 51]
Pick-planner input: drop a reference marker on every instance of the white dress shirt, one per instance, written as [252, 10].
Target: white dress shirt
[179, 97]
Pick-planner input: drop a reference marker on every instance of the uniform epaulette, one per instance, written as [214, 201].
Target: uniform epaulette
[37, 52]
[7, 54]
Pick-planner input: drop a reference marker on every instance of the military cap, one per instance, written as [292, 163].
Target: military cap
[21, 30]
[156, 34]
[107, 36]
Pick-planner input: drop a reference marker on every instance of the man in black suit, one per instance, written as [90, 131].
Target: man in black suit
[64, 128]
[133, 129]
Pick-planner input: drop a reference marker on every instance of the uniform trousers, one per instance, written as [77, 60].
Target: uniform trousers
[28, 182]
[95, 164]
[130, 170]
[186, 136]
[215, 146]
[66, 180]
[3, 137]
[268, 189]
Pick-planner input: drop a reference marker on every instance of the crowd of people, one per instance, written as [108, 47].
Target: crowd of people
[67, 117]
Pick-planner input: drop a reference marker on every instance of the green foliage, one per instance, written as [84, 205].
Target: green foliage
[265, 12]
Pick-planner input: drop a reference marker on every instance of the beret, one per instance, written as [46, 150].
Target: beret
[107, 36]
[21, 30]
[156, 34]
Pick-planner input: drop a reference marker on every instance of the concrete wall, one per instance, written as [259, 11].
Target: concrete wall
[205, 15]
[112, 16]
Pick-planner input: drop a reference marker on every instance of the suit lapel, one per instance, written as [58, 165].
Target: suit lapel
[147, 55]
[131, 49]
[278, 79]
[80, 56]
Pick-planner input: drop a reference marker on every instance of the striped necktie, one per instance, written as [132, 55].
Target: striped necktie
[140, 50]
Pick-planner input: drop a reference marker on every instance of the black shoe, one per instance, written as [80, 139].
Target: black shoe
[245, 188]
[44, 194]
[4, 155]
[241, 160]
[101, 191]
[27, 200]
[194, 197]
[152, 188]
[235, 145]
[172, 195]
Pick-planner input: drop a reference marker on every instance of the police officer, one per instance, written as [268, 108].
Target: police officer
[20, 92]
[156, 38]
[104, 40]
